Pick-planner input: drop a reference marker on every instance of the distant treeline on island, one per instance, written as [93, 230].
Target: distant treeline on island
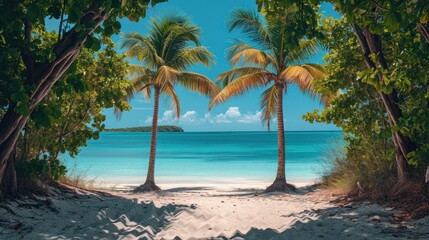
[146, 129]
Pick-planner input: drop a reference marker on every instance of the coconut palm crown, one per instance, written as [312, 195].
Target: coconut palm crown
[273, 62]
[171, 46]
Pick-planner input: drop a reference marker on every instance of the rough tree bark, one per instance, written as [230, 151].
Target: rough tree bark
[371, 44]
[150, 185]
[43, 76]
[9, 189]
[280, 184]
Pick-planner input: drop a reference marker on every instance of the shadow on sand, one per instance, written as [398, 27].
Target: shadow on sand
[356, 221]
[84, 216]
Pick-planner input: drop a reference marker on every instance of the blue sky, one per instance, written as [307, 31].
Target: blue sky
[237, 114]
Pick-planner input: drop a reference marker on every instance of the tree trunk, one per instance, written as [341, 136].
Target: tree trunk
[424, 30]
[9, 186]
[43, 77]
[371, 44]
[150, 185]
[279, 184]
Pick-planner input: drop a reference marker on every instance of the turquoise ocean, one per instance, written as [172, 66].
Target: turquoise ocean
[118, 157]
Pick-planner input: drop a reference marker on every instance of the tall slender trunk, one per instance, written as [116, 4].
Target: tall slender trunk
[151, 168]
[371, 44]
[281, 173]
[149, 184]
[279, 183]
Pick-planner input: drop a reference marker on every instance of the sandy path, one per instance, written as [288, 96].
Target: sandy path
[201, 213]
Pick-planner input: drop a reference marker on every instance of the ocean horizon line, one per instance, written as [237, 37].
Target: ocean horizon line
[233, 131]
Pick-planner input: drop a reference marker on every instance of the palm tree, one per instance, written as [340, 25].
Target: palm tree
[171, 46]
[274, 63]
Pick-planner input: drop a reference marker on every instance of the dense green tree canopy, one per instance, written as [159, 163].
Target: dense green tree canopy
[35, 64]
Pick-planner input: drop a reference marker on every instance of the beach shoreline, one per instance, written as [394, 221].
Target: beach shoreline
[165, 183]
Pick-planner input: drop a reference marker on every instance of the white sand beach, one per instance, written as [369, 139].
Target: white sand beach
[204, 212]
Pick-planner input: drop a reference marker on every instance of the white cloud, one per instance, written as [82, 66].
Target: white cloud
[221, 118]
[167, 117]
[189, 116]
[232, 115]
[148, 120]
[251, 118]
[233, 112]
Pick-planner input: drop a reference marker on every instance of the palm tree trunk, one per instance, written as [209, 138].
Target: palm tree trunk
[281, 174]
[150, 185]
[279, 183]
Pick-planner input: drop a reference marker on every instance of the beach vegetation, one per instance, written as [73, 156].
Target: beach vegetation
[72, 113]
[34, 65]
[383, 109]
[377, 58]
[165, 53]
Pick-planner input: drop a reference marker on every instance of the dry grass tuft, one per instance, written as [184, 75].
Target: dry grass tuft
[78, 179]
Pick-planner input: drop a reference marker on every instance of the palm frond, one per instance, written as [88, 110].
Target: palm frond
[145, 91]
[128, 95]
[241, 85]
[194, 55]
[165, 74]
[251, 56]
[269, 104]
[138, 70]
[305, 50]
[141, 80]
[142, 48]
[175, 103]
[229, 76]
[171, 46]
[179, 38]
[199, 83]
[242, 53]
[303, 76]
[251, 25]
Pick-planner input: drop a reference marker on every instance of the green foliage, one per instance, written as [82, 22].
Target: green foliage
[359, 110]
[385, 15]
[72, 113]
[40, 167]
[301, 16]
[26, 53]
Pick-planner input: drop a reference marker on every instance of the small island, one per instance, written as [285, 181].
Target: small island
[146, 129]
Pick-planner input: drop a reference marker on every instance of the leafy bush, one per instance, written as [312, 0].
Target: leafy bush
[40, 167]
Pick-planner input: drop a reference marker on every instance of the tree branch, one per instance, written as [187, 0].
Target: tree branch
[63, 8]
[25, 52]
[423, 30]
